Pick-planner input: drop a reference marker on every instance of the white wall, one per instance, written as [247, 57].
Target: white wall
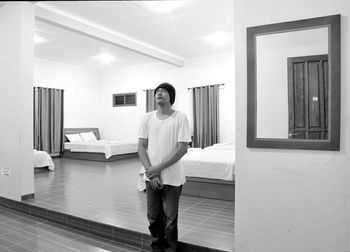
[16, 104]
[81, 91]
[290, 200]
[122, 122]
[88, 94]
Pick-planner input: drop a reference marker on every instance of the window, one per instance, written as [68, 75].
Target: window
[125, 99]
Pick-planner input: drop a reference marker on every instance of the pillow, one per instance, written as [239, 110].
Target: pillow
[73, 138]
[88, 136]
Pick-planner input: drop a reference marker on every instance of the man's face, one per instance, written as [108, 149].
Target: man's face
[162, 96]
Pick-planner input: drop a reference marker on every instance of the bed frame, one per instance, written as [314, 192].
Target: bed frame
[209, 188]
[91, 155]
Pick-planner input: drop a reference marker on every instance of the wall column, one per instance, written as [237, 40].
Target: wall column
[16, 99]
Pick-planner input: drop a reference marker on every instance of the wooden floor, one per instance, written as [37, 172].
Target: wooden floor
[107, 193]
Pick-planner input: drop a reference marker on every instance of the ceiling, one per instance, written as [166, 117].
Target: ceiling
[77, 31]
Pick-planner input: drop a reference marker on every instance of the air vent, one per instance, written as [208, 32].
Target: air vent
[126, 99]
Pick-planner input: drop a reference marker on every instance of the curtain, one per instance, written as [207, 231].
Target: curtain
[150, 101]
[48, 120]
[205, 115]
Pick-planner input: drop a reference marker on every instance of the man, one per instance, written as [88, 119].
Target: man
[163, 138]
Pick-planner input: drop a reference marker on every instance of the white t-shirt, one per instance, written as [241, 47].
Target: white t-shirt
[163, 136]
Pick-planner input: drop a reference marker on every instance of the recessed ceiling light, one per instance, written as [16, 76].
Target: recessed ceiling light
[163, 7]
[105, 58]
[38, 40]
[218, 38]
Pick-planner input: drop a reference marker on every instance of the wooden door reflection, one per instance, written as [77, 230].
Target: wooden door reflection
[308, 97]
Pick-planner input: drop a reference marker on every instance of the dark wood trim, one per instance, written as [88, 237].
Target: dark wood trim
[334, 39]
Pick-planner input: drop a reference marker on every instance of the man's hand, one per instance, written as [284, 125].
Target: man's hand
[152, 172]
[155, 183]
[176, 155]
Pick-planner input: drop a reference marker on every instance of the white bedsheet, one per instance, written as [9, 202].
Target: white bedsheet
[109, 148]
[42, 159]
[214, 162]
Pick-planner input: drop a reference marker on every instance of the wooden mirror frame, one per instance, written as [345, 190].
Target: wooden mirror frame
[333, 141]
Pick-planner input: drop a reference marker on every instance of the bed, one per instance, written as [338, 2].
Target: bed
[42, 159]
[91, 147]
[210, 172]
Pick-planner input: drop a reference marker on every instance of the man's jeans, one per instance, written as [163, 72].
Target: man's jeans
[162, 213]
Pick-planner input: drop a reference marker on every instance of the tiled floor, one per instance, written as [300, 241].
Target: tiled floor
[106, 192]
[20, 233]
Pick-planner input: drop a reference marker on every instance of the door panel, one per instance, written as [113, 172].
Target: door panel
[308, 97]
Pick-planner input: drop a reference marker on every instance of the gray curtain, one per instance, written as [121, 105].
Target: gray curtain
[48, 120]
[205, 115]
[150, 101]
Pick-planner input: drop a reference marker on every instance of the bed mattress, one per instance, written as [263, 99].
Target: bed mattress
[214, 162]
[42, 159]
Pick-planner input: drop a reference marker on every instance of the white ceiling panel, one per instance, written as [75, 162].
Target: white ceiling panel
[72, 48]
[181, 32]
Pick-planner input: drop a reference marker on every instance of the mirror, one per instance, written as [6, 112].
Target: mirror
[294, 84]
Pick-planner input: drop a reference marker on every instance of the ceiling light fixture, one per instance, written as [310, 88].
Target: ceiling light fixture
[218, 38]
[162, 7]
[38, 40]
[105, 58]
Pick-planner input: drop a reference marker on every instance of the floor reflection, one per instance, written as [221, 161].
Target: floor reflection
[107, 193]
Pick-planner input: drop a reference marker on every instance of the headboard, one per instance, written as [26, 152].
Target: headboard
[80, 130]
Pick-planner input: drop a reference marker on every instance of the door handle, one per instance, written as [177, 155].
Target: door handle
[292, 134]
